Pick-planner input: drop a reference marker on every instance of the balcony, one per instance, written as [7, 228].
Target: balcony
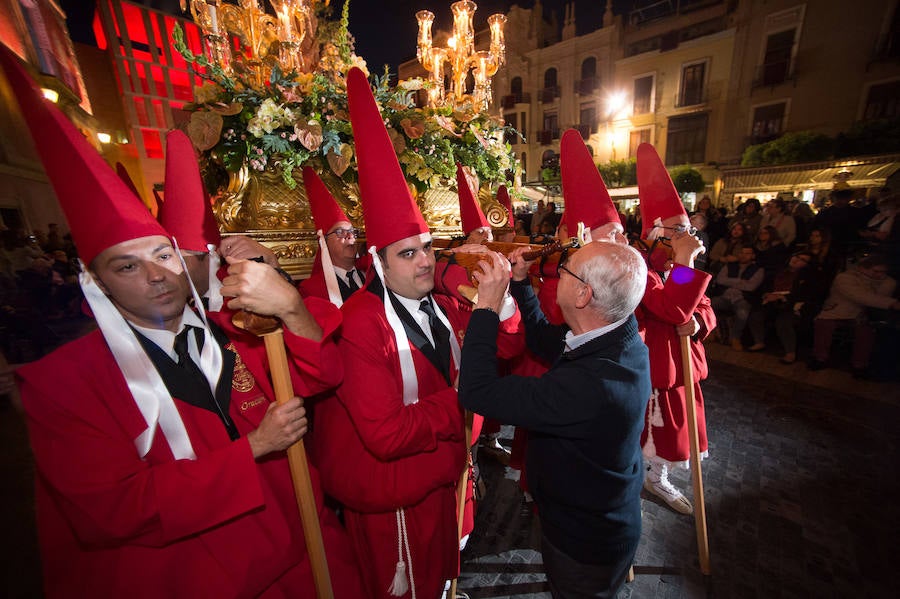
[548, 94]
[547, 136]
[774, 73]
[509, 101]
[753, 140]
[586, 87]
[691, 98]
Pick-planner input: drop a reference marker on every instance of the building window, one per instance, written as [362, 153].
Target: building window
[551, 128]
[550, 78]
[589, 68]
[636, 138]
[523, 162]
[776, 66]
[692, 84]
[768, 122]
[587, 120]
[686, 142]
[883, 101]
[551, 86]
[589, 81]
[643, 95]
[524, 129]
[515, 88]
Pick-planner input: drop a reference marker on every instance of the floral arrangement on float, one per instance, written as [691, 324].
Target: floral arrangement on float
[276, 102]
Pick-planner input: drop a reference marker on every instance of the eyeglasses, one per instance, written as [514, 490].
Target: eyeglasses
[560, 267]
[689, 229]
[344, 233]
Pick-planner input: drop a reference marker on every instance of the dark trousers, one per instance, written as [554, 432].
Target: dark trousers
[571, 579]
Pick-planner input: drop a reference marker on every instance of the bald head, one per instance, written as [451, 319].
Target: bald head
[616, 274]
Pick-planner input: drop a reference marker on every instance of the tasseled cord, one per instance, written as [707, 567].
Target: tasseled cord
[402, 583]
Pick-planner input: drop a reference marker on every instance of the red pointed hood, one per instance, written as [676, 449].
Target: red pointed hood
[186, 214]
[324, 208]
[659, 198]
[126, 178]
[587, 200]
[99, 207]
[470, 212]
[389, 211]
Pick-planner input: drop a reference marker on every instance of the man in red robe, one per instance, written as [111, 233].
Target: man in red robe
[674, 305]
[391, 443]
[159, 459]
[337, 271]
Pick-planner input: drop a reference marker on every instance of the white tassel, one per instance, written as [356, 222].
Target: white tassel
[400, 584]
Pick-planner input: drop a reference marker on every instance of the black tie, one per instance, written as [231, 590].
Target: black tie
[181, 348]
[351, 280]
[439, 333]
[190, 368]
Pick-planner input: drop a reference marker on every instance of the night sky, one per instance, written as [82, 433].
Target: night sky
[385, 30]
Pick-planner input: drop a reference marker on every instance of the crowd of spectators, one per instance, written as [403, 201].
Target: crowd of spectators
[38, 285]
[787, 275]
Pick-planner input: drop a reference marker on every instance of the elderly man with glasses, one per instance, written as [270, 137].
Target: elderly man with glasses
[584, 415]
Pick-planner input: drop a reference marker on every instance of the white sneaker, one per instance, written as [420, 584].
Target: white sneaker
[672, 496]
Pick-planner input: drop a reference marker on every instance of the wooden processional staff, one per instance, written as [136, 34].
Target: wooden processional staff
[696, 472]
[270, 330]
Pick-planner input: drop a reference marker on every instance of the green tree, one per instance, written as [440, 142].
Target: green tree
[619, 173]
[688, 180]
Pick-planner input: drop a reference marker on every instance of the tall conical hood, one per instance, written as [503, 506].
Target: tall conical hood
[587, 200]
[659, 198]
[506, 202]
[186, 214]
[99, 207]
[470, 212]
[389, 211]
[324, 208]
[126, 178]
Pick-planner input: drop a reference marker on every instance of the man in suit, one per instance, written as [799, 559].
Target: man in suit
[584, 415]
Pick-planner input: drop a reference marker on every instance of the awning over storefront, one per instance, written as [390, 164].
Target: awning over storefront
[865, 172]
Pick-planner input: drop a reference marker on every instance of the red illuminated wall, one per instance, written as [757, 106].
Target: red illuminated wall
[152, 77]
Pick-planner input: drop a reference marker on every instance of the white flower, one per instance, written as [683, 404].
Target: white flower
[412, 84]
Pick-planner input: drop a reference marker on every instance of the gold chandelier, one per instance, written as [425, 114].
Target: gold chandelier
[461, 56]
[285, 39]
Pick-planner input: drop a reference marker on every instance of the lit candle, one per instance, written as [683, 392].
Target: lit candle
[213, 13]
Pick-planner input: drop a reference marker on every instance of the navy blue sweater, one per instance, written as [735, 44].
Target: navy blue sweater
[584, 419]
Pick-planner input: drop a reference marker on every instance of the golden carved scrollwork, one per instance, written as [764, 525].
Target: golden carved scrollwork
[260, 205]
[493, 210]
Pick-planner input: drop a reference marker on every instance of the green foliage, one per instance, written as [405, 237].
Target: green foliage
[790, 148]
[688, 180]
[619, 173]
[879, 136]
[303, 118]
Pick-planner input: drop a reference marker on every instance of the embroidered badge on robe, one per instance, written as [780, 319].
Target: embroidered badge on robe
[242, 380]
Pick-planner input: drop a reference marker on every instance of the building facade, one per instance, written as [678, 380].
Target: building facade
[36, 31]
[702, 80]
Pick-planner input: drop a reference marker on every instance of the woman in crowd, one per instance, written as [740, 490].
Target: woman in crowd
[771, 253]
[776, 216]
[727, 249]
[826, 262]
[716, 227]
